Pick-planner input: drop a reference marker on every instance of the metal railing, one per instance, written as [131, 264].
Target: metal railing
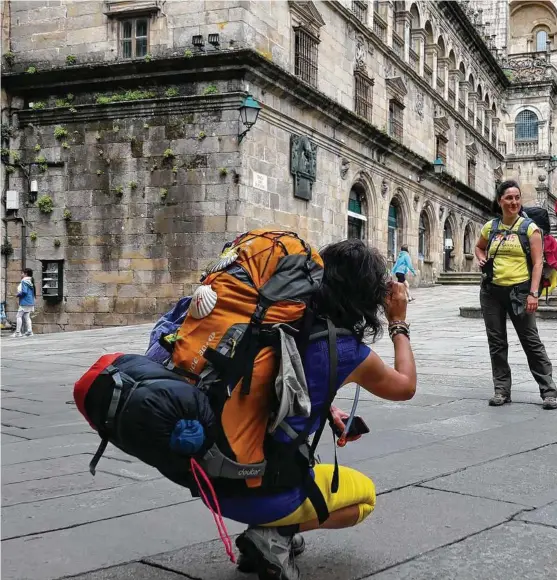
[379, 26]
[414, 61]
[396, 128]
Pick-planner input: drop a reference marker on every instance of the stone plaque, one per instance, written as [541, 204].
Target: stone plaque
[303, 165]
[259, 181]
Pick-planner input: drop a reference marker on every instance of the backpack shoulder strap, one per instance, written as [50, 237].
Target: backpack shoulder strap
[495, 225]
[522, 234]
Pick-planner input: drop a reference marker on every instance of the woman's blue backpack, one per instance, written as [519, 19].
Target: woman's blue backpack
[167, 324]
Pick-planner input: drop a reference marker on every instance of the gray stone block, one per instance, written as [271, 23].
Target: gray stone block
[511, 551]
[136, 571]
[101, 544]
[504, 479]
[405, 524]
[546, 515]
[43, 515]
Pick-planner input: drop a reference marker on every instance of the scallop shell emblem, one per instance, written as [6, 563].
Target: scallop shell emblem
[203, 302]
[226, 258]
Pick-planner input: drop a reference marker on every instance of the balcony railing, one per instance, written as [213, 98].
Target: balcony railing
[486, 132]
[379, 26]
[395, 129]
[471, 116]
[414, 60]
[526, 147]
[451, 96]
[462, 108]
[502, 147]
[398, 45]
[494, 140]
[428, 74]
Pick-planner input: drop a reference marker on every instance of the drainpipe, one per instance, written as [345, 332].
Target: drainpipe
[23, 248]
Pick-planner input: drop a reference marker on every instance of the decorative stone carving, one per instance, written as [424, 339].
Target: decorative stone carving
[419, 104]
[303, 165]
[384, 189]
[441, 212]
[389, 69]
[416, 201]
[461, 220]
[360, 60]
[344, 167]
[529, 68]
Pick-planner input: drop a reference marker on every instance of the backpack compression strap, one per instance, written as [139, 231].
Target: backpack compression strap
[110, 416]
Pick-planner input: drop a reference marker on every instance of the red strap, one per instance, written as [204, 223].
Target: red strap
[216, 513]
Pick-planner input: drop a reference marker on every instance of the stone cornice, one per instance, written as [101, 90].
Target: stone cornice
[230, 65]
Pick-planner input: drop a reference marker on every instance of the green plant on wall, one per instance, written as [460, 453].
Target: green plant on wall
[164, 193]
[60, 132]
[188, 53]
[168, 154]
[7, 248]
[41, 162]
[57, 243]
[201, 135]
[133, 185]
[135, 95]
[37, 148]
[65, 145]
[31, 70]
[67, 215]
[45, 204]
[119, 190]
[210, 90]
[71, 59]
[148, 57]
[223, 172]
[9, 57]
[175, 170]
[37, 105]
[10, 169]
[100, 172]
[33, 236]
[171, 92]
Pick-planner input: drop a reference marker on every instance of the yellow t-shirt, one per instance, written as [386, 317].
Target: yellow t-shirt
[510, 266]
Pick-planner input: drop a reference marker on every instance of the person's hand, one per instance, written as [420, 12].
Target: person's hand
[481, 262]
[396, 303]
[531, 304]
[339, 417]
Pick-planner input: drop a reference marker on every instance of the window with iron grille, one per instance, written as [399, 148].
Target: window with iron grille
[356, 218]
[526, 126]
[471, 172]
[363, 93]
[305, 56]
[441, 148]
[423, 237]
[541, 41]
[395, 120]
[360, 10]
[134, 38]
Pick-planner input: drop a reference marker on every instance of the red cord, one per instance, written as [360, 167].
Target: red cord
[215, 512]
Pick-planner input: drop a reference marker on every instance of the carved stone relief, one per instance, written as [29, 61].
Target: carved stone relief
[344, 167]
[419, 105]
[303, 165]
[384, 188]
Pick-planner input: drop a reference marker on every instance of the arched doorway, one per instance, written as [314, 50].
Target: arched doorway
[424, 237]
[357, 209]
[448, 245]
[394, 237]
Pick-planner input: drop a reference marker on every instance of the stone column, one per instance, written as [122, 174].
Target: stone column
[431, 56]
[464, 86]
[480, 107]
[418, 39]
[403, 20]
[541, 191]
[472, 99]
[489, 120]
[454, 79]
[443, 72]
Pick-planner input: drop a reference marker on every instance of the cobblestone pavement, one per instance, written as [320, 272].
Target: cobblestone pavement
[466, 491]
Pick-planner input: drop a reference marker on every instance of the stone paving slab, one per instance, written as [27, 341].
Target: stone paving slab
[64, 512]
[512, 551]
[405, 523]
[504, 479]
[546, 515]
[108, 542]
[135, 571]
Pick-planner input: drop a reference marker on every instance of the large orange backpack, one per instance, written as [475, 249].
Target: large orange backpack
[228, 344]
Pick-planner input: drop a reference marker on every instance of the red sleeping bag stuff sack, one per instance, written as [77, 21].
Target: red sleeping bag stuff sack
[147, 411]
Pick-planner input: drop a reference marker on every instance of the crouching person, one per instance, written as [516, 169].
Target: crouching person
[355, 292]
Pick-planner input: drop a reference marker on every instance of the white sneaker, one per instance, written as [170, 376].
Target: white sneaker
[16, 335]
[28, 334]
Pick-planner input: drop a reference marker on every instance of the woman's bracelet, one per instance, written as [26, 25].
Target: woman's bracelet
[399, 327]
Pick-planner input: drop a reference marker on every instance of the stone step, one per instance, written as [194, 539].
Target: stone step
[543, 312]
[459, 278]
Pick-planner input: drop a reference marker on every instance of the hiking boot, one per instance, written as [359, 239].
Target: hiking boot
[499, 399]
[549, 403]
[297, 547]
[270, 553]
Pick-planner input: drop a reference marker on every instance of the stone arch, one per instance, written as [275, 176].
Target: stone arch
[363, 184]
[429, 32]
[442, 46]
[468, 239]
[452, 60]
[450, 231]
[398, 221]
[415, 17]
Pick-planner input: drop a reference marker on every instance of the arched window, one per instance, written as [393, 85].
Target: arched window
[448, 245]
[541, 41]
[423, 236]
[468, 240]
[356, 213]
[526, 126]
[394, 223]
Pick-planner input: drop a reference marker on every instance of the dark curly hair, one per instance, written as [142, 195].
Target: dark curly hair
[354, 288]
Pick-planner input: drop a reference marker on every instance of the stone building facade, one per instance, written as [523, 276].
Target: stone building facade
[121, 116]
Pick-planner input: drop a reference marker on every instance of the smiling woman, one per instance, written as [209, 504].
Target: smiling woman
[510, 254]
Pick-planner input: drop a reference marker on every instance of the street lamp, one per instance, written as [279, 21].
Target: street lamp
[552, 163]
[438, 166]
[249, 111]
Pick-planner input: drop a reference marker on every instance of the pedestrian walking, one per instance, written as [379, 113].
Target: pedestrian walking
[26, 293]
[402, 266]
[511, 283]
